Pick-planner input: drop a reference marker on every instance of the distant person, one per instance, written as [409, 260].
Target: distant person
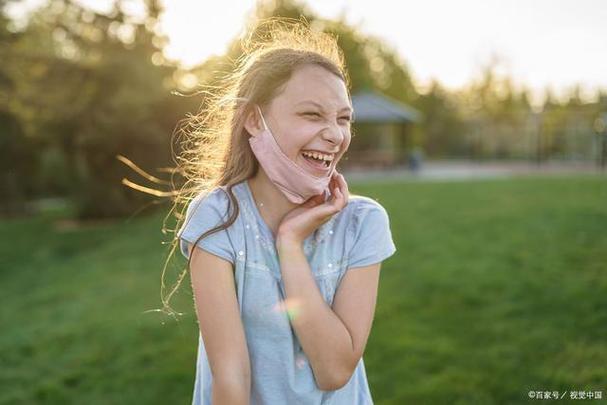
[415, 159]
[286, 262]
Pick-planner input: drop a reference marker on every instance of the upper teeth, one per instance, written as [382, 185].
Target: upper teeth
[317, 155]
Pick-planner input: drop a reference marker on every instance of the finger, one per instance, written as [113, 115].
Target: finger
[319, 199]
[339, 192]
[309, 202]
[333, 182]
[331, 200]
[337, 202]
[342, 181]
[342, 198]
[344, 187]
[313, 201]
[338, 185]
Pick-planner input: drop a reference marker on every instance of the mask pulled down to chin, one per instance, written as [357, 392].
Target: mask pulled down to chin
[297, 184]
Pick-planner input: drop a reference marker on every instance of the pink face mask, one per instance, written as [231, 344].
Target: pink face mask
[296, 183]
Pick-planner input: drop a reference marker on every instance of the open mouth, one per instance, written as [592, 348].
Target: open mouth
[317, 163]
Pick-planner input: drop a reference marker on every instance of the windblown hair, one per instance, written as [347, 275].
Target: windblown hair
[215, 146]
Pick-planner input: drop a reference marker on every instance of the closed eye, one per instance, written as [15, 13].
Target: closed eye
[347, 118]
[315, 114]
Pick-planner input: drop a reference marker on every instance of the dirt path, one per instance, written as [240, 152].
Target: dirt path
[469, 170]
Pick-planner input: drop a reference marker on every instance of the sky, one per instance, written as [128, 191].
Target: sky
[539, 43]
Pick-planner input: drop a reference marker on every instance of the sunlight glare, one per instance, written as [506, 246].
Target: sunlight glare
[199, 29]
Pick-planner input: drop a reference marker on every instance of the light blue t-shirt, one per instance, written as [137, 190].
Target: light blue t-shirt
[358, 235]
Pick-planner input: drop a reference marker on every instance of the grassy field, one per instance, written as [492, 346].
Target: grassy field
[498, 287]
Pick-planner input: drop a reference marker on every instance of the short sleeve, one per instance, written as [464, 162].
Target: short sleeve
[372, 235]
[205, 212]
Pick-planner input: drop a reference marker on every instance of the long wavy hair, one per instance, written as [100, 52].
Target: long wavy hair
[214, 143]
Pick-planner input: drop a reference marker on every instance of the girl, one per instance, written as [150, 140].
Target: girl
[284, 263]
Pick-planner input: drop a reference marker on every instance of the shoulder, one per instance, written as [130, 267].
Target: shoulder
[207, 211]
[211, 202]
[360, 206]
[361, 202]
[369, 237]
[364, 214]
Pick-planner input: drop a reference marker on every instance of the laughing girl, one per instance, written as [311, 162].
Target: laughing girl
[284, 262]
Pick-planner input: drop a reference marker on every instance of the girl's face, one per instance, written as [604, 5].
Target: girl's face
[312, 113]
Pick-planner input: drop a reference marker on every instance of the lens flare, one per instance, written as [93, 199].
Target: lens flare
[290, 306]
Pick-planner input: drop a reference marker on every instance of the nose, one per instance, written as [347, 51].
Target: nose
[333, 134]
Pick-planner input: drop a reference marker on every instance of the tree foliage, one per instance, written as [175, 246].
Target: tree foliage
[80, 87]
[86, 88]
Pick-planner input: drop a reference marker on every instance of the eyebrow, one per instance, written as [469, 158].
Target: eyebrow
[321, 107]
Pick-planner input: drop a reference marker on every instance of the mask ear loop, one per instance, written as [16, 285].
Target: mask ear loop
[262, 119]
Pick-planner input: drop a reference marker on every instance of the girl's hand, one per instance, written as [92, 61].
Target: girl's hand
[300, 222]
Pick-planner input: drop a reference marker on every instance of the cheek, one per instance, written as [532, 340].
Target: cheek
[294, 142]
[344, 146]
[346, 143]
[304, 135]
[347, 139]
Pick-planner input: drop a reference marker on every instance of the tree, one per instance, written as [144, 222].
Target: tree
[14, 173]
[90, 91]
[443, 127]
[371, 63]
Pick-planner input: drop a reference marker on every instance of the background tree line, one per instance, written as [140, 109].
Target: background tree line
[79, 87]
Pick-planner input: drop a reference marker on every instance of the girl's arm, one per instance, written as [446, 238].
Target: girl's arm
[221, 327]
[334, 339]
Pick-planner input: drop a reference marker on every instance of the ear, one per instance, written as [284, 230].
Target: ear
[253, 123]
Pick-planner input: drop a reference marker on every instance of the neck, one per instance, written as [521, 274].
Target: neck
[275, 203]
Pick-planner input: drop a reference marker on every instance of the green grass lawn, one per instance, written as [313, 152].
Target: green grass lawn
[498, 287]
